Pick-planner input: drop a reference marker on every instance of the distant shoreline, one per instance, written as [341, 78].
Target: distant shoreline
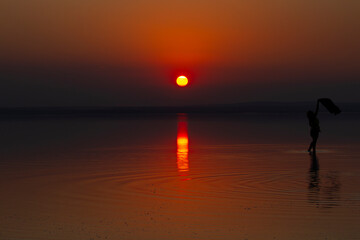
[241, 108]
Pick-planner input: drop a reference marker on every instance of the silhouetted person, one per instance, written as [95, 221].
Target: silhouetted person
[314, 121]
[314, 128]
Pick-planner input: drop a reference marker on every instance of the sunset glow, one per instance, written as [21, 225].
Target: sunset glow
[107, 53]
[182, 81]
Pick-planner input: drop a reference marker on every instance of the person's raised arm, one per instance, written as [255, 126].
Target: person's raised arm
[317, 107]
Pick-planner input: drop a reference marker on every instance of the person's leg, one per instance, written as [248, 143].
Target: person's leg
[315, 138]
[311, 146]
[312, 142]
[314, 135]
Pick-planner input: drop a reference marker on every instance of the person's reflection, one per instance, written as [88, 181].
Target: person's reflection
[314, 181]
[182, 145]
[323, 191]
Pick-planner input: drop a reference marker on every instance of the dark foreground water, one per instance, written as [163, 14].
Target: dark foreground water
[179, 177]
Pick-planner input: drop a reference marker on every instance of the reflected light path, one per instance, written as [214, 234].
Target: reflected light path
[182, 145]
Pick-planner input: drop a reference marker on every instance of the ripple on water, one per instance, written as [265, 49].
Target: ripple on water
[250, 178]
[254, 186]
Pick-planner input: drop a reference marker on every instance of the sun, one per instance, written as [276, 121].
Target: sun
[182, 81]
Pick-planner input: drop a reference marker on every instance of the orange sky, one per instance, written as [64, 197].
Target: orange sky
[209, 39]
[180, 32]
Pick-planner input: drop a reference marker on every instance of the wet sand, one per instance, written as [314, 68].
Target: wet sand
[179, 177]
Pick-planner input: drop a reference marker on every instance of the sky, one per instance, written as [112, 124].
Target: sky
[129, 52]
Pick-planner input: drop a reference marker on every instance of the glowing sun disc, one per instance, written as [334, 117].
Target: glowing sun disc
[182, 81]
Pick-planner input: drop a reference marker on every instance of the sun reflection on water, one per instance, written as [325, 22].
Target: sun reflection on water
[182, 145]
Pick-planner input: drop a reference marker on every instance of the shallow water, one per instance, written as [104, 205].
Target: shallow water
[179, 177]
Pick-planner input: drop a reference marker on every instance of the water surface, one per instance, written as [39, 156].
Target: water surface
[179, 177]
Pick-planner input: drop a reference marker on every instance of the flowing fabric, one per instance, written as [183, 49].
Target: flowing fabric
[330, 106]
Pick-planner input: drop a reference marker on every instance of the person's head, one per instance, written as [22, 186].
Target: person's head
[310, 114]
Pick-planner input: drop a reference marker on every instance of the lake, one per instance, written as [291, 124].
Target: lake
[179, 176]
